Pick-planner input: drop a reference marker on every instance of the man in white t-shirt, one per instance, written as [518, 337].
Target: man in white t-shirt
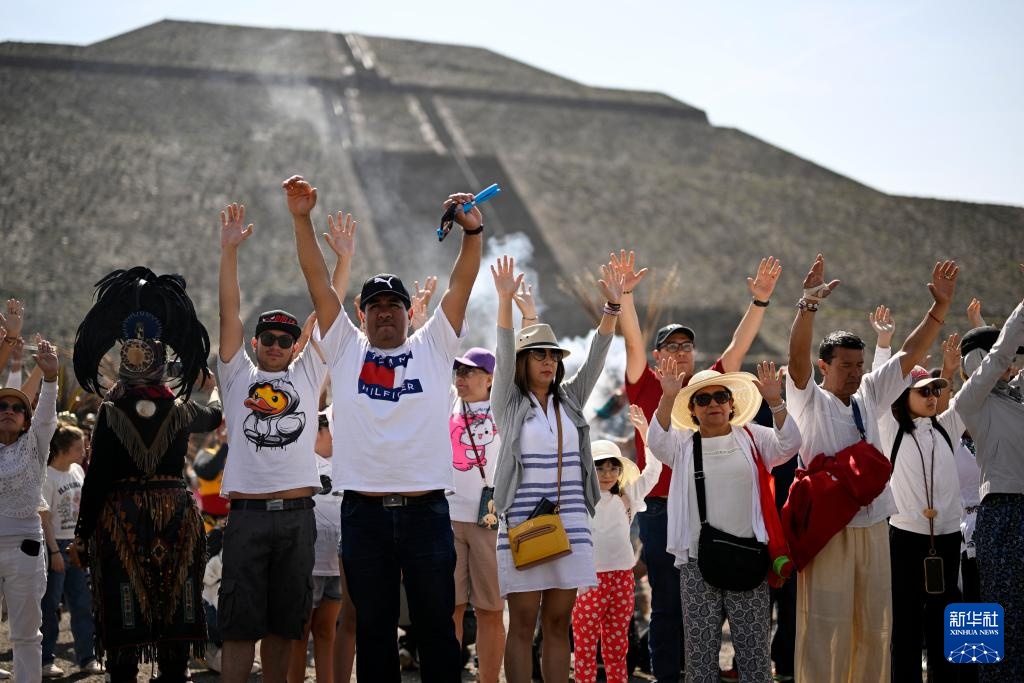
[844, 596]
[270, 409]
[393, 459]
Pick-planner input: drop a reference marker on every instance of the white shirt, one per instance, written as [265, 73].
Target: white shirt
[827, 425]
[62, 492]
[612, 517]
[272, 419]
[674, 447]
[908, 478]
[467, 461]
[391, 410]
[727, 483]
[328, 526]
[23, 469]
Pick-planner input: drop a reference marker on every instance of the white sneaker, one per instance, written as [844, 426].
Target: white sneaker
[92, 667]
[52, 671]
[212, 658]
[4, 674]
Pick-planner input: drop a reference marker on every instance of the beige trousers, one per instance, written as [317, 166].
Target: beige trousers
[844, 610]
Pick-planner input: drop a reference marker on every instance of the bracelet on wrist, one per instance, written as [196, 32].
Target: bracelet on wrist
[608, 310]
[932, 316]
[807, 305]
[627, 291]
[529, 318]
[473, 231]
[609, 304]
[760, 304]
[777, 409]
[55, 552]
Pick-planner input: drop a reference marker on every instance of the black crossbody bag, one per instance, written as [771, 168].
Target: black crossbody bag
[725, 561]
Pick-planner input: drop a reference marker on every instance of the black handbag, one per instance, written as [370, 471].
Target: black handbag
[725, 561]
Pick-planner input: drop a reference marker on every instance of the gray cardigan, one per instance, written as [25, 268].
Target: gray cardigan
[510, 408]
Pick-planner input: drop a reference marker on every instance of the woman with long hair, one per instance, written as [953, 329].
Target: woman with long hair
[545, 460]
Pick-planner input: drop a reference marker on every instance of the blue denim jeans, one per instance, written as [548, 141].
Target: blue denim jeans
[381, 547]
[666, 635]
[73, 585]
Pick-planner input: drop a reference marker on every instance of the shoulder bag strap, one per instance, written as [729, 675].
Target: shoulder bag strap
[896, 447]
[857, 418]
[698, 478]
[558, 420]
[757, 452]
[472, 441]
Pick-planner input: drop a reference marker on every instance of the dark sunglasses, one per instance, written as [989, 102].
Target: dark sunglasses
[542, 354]
[17, 407]
[720, 397]
[929, 391]
[466, 370]
[285, 341]
[675, 347]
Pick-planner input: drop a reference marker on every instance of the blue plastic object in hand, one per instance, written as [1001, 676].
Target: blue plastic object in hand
[479, 198]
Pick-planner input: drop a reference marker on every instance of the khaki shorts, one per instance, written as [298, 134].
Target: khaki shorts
[476, 566]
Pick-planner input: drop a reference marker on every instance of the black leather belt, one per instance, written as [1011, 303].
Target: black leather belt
[273, 504]
[396, 500]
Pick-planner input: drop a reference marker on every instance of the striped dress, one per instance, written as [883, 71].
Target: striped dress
[539, 442]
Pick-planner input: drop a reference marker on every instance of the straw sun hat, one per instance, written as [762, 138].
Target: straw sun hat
[746, 397]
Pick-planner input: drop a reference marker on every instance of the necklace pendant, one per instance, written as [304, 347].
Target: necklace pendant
[145, 408]
[930, 513]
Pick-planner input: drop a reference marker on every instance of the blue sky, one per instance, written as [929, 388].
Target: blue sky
[919, 98]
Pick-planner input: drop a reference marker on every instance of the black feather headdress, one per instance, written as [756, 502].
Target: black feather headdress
[161, 302]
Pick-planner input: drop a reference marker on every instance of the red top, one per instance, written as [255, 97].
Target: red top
[646, 393]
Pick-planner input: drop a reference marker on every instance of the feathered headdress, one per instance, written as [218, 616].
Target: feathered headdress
[145, 313]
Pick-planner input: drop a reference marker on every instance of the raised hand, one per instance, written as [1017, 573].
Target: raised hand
[612, 284]
[525, 302]
[943, 283]
[883, 324]
[46, 359]
[505, 281]
[769, 382]
[637, 419]
[421, 301]
[950, 355]
[233, 230]
[341, 234]
[974, 313]
[670, 376]
[300, 195]
[15, 318]
[469, 221]
[814, 283]
[625, 264]
[763, 283]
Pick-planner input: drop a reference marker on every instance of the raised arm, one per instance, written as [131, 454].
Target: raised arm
[950, 364]
[761, 287]
[974, 313]
[341, 237]
[11, 325]
[301, 197]
[506, 282]
[942, 287]
[455, 300]
[524, 301]
[800, 334]
[671, 379]
[421, 301]
[629, 321]
[233, 232]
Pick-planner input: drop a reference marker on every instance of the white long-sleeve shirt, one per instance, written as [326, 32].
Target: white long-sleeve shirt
[674, 447]
[613, 514]
[23, 468]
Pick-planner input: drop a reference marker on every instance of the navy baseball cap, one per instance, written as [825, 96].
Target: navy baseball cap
[667, 331]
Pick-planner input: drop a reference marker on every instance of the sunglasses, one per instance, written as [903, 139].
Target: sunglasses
[676, 347]
[465, 370]
[542, 354]
[929, 391]
[720, 397]
[17, 407]
[285, 341]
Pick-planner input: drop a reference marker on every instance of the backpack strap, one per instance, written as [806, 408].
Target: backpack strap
[942, 430]
[899, 439]
[857, 419]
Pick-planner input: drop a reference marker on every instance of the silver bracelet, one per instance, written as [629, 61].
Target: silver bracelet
[778, 409]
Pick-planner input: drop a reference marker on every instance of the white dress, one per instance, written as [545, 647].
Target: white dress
[539, 442]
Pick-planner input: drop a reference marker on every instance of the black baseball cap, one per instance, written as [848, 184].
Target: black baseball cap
[982, 338]
[278, 320]
[667, 331]
[384, 283]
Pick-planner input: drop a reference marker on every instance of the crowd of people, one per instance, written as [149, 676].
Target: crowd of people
[368, 474]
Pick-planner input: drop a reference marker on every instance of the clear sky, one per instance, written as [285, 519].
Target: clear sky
[911, 97]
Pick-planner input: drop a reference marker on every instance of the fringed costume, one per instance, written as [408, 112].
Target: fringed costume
[138, 519]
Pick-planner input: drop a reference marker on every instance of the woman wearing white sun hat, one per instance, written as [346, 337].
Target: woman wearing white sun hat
[706, 429]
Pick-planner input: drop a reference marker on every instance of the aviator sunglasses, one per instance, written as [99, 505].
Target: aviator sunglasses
[17, 407]
[285, 341]
[542, 354]
[720, 397]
